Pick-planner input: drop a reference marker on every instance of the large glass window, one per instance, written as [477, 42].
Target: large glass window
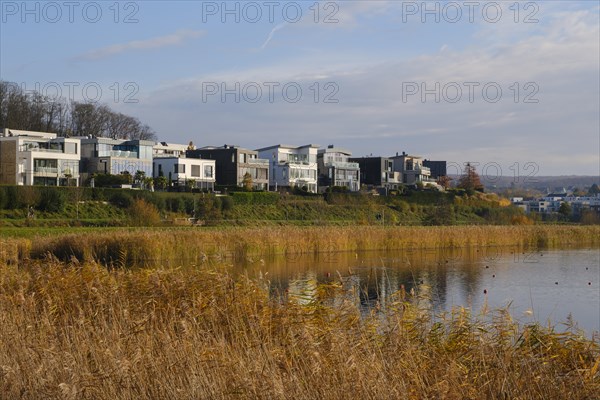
[301, 173]
[208, 171]
[196, 171]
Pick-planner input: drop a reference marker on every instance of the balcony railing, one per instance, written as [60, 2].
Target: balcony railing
[258, 161]
[41, 149]
[420, 170]
[124, 154]
[343, 165]
[46, 170]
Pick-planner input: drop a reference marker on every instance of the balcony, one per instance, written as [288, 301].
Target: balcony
[29, 148]
[420, 170]
[123, 154]
[343, 165]
[46, 170]
[258, 161]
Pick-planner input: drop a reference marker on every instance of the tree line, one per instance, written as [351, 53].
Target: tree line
[33, 111]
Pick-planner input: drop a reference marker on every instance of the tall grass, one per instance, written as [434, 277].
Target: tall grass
[149, 247]
[83, 332]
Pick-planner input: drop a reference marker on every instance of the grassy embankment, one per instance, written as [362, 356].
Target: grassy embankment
[73, 331]
[115, 207]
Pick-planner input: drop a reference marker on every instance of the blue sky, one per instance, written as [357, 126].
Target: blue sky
[362, 67]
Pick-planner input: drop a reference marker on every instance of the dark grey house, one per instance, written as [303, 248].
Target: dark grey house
[378, 172]
[233, 162]
[438, 168]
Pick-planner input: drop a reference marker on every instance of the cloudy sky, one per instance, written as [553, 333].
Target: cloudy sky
[513, 85]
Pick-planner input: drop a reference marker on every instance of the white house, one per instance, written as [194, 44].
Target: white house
[38, 158]
[179, 170]
[335, 169]
[115, 156]
[292, 166]
[411, 169]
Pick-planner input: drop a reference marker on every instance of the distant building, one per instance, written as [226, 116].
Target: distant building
[335, 169]
[115, 156]
[411, 169]
[437, 168]
[551, 204]
[233, 163]
[378, 172]
[38, 158]
[292, 166]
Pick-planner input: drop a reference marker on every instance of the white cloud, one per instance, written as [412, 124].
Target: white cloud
[154, 43]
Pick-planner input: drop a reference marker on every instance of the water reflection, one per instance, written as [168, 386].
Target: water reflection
[539, 285]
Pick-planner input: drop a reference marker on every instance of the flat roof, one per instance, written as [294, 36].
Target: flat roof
[287, 146]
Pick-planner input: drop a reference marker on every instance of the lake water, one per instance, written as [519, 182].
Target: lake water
[542, 285]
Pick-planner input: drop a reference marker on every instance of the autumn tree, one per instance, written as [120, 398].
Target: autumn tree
[470, 180]
[247, 182]
[444, 181]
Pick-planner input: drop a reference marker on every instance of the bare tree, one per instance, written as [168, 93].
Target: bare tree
[32, 111]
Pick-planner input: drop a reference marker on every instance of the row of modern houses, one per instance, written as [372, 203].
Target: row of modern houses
[39, 158]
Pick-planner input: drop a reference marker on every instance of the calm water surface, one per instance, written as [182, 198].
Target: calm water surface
[547, 286]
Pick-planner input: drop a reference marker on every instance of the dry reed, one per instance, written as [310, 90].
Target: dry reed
[80, 331]
[146, 247]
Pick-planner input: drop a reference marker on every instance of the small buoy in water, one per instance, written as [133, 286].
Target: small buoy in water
[493, 276]
[586, 268]
[556, 283]
[446, 261]
[590, 283]
[484, 291]
[487, 266]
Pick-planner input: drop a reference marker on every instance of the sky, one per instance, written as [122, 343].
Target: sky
[513, 87]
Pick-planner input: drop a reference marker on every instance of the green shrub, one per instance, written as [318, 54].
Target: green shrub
[51, 199]
[121, 199]
[11, 201]
[108, 180]
[226, 203]
[3, 198]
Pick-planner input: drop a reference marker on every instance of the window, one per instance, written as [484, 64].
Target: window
[196, 171]
[208, 171]
[70, 148]
[41, 165]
